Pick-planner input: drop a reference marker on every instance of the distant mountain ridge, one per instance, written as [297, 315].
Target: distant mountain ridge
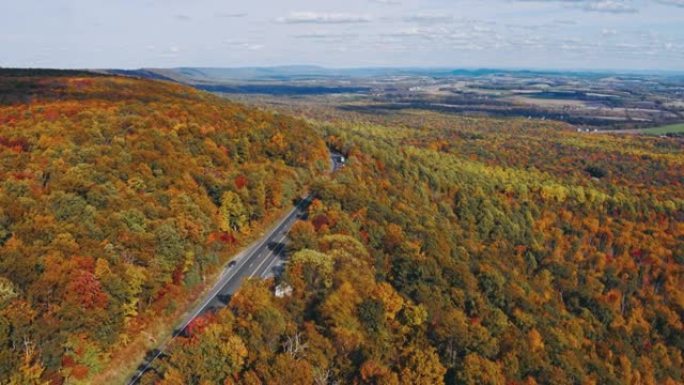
[310, 72]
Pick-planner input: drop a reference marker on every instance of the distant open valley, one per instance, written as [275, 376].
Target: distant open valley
[588, 101]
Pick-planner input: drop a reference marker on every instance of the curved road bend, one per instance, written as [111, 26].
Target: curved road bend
[260, 259]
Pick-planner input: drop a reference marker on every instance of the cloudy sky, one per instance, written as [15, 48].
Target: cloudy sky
[553, 34]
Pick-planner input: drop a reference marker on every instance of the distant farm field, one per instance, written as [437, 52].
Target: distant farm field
[669, 129]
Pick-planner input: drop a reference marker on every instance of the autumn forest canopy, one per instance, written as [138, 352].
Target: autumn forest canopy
[118, 197]
[450, 249]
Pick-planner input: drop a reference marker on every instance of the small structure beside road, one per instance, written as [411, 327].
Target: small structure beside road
[283, 290]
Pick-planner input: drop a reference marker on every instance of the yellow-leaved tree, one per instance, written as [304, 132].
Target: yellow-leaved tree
[233, 215]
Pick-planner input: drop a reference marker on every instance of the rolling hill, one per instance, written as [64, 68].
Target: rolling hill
[118, 198]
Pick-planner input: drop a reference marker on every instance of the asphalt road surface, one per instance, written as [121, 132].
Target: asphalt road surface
[263, 258]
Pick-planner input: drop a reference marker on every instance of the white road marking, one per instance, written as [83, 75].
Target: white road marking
[282, 238]
[269, 267]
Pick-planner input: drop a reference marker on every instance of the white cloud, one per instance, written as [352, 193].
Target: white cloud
[676, 3]
[606, 6]
[609, 6]
[386, 2]
[244, 45]
[327, 37]
[429, 18]
[323, 18]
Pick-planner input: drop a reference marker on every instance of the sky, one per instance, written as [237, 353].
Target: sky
[536, 34]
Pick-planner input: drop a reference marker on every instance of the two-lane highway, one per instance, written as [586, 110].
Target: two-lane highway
[258, 260]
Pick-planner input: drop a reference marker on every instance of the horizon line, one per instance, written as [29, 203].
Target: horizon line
[597, 70]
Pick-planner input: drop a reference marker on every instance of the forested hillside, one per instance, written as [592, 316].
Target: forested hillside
[118, 199]
[454, 250]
